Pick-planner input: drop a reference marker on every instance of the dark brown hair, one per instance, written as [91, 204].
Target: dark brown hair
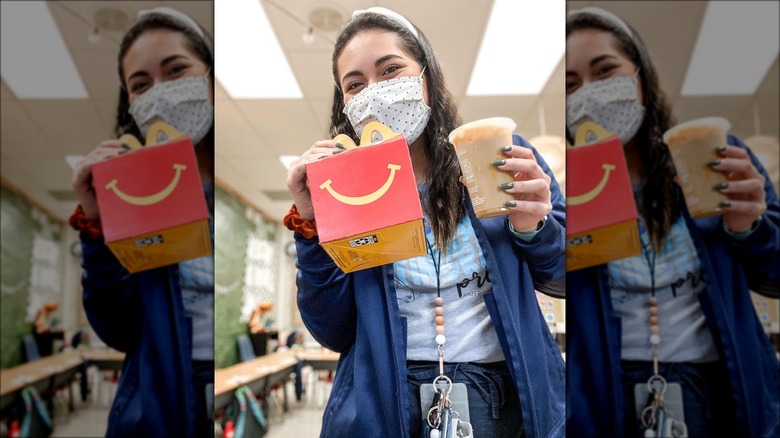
[125, 124]
[444, 201]
[660, 198]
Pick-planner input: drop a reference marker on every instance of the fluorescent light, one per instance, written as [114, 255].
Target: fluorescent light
[35, 62]
[287, 160]
[737, 44]
[250, 61]
[523, 44]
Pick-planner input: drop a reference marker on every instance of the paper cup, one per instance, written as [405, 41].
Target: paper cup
[478, 144]
[692, 145]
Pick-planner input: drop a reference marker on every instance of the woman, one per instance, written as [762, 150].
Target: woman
[694, 273]
[501, 347]
[161, 318]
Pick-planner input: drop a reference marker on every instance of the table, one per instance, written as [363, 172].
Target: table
[104, 358]
[43, 374]
[319, 359]
[258, 374]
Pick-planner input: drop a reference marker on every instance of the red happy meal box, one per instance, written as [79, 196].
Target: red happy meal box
[601, 217]
[366, 202]
[152, 206]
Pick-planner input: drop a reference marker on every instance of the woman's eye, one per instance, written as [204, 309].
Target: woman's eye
[390, 69]
[138, 86]
[176, 69]
[571, 86]
[353, 86]
[605, 69]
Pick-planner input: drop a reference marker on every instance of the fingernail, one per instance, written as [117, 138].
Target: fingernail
[506, 148]
[725, 204]
[338, 151]
[510, 204]
[498, 162]
[340, 146]
[321, 157]
[720, 149]
[721, 186]
[507, 186]
[125, 146]
[713, 162]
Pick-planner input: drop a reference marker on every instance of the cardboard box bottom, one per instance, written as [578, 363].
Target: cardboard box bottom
[380, 247]
[166, 247]
[603, 245]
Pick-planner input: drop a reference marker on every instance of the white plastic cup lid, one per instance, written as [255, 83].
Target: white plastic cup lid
[493, 121]
[718, 122]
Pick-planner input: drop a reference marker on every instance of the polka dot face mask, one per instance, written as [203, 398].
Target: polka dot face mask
[612, 103]
[182, 103]
[396, 103]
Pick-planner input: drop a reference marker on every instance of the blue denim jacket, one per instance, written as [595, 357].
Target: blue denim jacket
[730, 268]
[142, 315]
[357, 315]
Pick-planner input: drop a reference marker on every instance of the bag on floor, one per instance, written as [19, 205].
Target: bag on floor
[36, 421]
[245, 416]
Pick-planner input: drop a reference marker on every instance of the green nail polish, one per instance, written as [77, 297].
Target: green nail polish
[713, 162]
[340, 146]
[507, 186]
[720, 149]
[498, 162]
[339, 151]
[510, 204]
[506, 148]
[721, 186]
[125, 146]
[725, 204]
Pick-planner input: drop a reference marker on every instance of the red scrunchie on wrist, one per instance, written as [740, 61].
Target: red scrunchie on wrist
[81, 223]
[295, 222]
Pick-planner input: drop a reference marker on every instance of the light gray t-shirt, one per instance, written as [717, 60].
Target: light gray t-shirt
[685, 336]
[464, 278]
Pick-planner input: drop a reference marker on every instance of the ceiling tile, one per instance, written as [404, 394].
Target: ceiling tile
[693, 107]
[286, 126]
[234, 133]
[72, 126]
[21, 137]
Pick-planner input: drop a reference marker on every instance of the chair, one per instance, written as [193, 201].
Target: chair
[245, 350]
[31, 351]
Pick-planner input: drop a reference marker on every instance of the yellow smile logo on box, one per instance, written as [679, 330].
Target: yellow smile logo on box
[365, 199]
[151, 199]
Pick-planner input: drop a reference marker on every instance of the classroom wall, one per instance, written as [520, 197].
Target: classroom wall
[30, 270]
[246, 266]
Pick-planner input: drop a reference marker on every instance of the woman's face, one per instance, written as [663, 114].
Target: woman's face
[157, 56]
[592, 55]
[374, 56]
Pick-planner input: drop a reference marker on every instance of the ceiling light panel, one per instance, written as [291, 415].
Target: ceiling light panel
[737, 44]
[250, 63]
[523, 43]
[35, 62]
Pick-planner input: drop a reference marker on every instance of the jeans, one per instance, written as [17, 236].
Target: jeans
[494, 405]
[203, 381]
[707, 402]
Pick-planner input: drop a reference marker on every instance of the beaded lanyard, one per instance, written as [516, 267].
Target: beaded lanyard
[656, 415]
[440, 414]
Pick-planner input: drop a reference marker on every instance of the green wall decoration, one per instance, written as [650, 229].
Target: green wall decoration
[20, 224]
[235, 225]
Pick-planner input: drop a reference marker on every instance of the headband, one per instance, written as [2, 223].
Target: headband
[608, 16]
[398, 18]
[182, 19]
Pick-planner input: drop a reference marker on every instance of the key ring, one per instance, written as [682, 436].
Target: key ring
[661, 380]
[442, 377]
